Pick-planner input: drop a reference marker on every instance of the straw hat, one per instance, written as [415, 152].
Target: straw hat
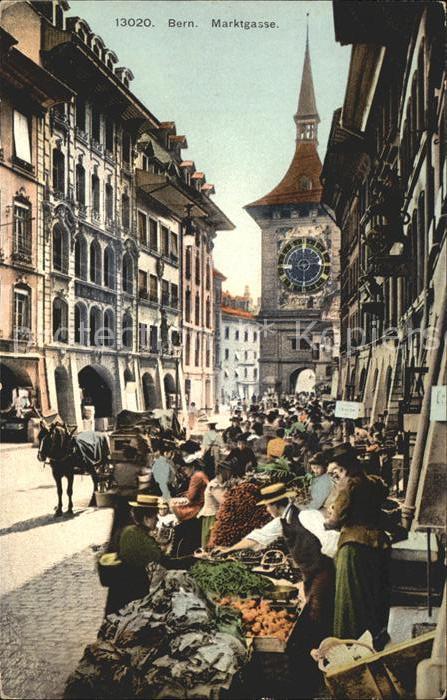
[273, 493]
[146, 500]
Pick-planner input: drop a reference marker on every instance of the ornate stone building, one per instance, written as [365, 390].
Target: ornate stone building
[119, 210]
[300, 265]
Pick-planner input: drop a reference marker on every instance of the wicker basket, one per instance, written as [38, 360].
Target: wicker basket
[105, 499]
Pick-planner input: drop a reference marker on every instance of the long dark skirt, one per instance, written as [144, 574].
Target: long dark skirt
[187, 537]
[362, 593]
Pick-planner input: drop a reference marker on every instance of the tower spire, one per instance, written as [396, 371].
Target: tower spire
[306, 117]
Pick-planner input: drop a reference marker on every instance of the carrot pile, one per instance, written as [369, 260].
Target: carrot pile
[259, 619]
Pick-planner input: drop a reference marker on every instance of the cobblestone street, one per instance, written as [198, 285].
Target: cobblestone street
[51, 600]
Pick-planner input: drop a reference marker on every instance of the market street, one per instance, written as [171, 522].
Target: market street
[50, 592]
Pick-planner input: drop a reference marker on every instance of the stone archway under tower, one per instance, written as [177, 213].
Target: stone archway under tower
[302, 379]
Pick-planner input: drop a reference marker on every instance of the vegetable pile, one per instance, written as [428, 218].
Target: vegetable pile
[229, 578]
[238, 515]
[260, 620]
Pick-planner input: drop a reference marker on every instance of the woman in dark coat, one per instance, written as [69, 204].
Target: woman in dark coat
[136, 549]
[362, 565]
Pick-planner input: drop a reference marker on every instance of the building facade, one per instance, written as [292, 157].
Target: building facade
[385, 178]
[117, 207]
[239, 349]
[300, 265]
[28, 91]
[218, 280]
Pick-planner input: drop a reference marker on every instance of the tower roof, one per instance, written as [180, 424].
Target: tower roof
[307, 106]
[301, 183]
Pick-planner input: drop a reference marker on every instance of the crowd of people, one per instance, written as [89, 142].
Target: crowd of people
[343, 547]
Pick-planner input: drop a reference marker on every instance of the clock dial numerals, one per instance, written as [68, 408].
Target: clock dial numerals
[303, 265]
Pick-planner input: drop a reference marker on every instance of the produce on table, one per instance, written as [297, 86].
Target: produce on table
[260, 619]
[229, 578]
[238, 515]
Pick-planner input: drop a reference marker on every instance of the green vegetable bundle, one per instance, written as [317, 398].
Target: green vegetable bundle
[229, 578]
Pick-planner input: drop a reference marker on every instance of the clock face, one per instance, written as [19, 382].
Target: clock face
[303, 265]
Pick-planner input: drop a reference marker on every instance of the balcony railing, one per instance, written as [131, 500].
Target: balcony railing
[22, 256]
[81, 135]
[97, 147]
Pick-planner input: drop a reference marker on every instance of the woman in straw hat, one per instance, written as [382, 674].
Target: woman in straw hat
[138, 548]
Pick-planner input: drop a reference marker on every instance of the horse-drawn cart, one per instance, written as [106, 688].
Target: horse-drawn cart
[131, 446]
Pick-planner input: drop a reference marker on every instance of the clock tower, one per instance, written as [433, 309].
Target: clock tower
[300, 266]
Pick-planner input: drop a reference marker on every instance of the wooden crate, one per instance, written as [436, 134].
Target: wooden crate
[273, 645]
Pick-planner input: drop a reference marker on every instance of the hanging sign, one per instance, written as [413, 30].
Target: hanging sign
[349, 409]
[438, 406]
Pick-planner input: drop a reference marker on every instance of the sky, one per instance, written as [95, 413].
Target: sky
[232, 92]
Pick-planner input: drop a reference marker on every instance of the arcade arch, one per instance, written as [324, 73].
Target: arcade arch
[302, 379]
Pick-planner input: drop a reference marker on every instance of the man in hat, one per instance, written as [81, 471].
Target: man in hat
[246, 457]
[212, 443]
[231, 433]
[276, 499]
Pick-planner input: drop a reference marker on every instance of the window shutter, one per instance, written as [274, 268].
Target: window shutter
[22, 141]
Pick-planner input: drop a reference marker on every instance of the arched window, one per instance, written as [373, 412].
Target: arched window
[188, 262]
[81, 258]
[375, 378]
[197, 351]
[58, 171]
[60, 249]
[127, 273]
[109, 328]
[80, 184]
[22, 231]
[95, 262]
[109, 268]
[109, 202]
[22, 311]
[197, 266]
[388, 383]
[197, 310]
[188, 306]
[125, 211]
[208, 277]
[95, 196]
[81, 324]
[208, 353]
[127, 331]
[188, 348]
[95, 326]
[60, 320]
[208, 313]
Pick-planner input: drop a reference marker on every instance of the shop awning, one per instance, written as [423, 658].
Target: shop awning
[165, 190]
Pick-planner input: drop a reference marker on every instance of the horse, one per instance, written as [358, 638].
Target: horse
[67, 454]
